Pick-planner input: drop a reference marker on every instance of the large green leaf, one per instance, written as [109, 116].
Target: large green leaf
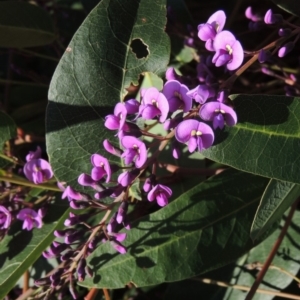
[20, 249]
[287, 259]
[7, 131]
[24, 25]
[93, 75]
[266, 139]
[205, 228]
[290, 6]
[277, 198]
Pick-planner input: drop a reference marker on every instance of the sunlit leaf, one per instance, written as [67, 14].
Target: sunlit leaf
[205, 228]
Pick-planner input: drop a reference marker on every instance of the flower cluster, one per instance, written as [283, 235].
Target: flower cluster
[228, 50]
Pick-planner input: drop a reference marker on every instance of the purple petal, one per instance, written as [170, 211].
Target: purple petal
[112, 122]
[206, 31]
[121, 113]
[132, 106]
[118, 247]
[223, 39]
[192, 144]
[218, 121]
[237, 56]
[217, 20]
[184, 129]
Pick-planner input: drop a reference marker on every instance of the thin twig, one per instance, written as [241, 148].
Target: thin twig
[246, 288]
[106, 294]
[92, 294]
[273, 252]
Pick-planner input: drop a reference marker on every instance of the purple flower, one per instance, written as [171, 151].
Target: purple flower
[38, 170]
[30, 217]
[34, 154]
[196, 133]
[121, 215]
[101, 168]
[175, 92]
[161, 193]
[229, 51]
[5, 217]
[135, 150]
[201, 93]
[117, 120]
[154, 104]
[208, 31]
[219, 113]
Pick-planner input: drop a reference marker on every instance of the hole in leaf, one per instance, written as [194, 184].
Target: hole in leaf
[139, 48]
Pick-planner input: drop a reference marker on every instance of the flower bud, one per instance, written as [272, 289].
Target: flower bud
[284, 50]
[122, 212]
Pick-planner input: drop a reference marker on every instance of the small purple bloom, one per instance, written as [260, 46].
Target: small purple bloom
[175, 149]
[121, 215]
[208, 31]
[175, 93]
[201, 93]
[30, 217]
[34, 154]
[101, 168]
[5, 217]
[229, 51]
[126, 178]
[271, 18]
[120, 248]
[219, 113]
[251, 16]
[161, 193]
[110, 148]
[71, 194]
[135, 150]
[38, 170]
[117, 120]
[154, 104]
[196, 133]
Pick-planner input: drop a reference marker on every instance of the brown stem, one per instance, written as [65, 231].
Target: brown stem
[273, 252]
[26, 281]
[92, 294]
[106, 294]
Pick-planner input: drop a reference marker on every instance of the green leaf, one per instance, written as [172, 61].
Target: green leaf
[205, 228]
[93, 75]
[277, 198]
[266, 139]
[287, 258]
[290, 6]
[8, 130]
[20, 249]
[24, 25]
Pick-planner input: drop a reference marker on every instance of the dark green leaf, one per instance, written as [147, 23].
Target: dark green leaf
[20, 249]
[266, 139]
[290, 6]
[24, 25]
[287, 259]
[277, 198]
[92, 76]
[205, 228]
[7, 131]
